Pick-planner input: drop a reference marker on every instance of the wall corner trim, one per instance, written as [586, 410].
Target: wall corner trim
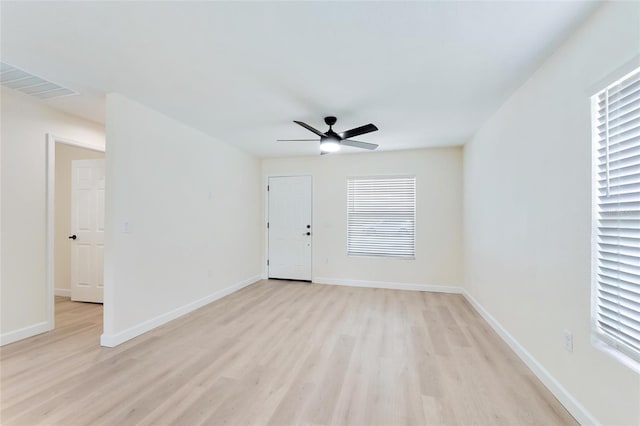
[148, 325]
[389, 285]
[577, 410]
[23, 333]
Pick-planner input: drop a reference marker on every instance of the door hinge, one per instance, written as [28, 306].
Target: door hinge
[267, 187]
[267, 262]
[267, 225]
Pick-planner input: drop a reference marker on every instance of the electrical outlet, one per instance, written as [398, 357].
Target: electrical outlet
[568, 340]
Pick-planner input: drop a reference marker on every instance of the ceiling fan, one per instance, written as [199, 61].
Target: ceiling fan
[331, 141]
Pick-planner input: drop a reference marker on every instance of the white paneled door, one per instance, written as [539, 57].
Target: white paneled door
[87, 226]
[290, 227]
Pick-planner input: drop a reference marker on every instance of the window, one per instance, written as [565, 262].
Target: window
[616, 219]
[381, 216]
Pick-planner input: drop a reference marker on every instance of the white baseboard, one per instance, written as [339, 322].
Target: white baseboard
[576, 409]
[389, 285]
[23, 333]
[128, 334]
[65, 292]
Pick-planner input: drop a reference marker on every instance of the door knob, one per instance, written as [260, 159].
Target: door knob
[73, 237]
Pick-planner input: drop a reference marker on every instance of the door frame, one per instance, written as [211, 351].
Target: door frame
[266, 218]
[52, 140]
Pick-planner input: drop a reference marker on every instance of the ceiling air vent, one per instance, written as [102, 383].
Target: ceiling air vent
[22, 81]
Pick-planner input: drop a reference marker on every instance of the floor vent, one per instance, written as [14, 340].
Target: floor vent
[17, 79]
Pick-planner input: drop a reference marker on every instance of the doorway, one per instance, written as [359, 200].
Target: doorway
[75, 194]
[290, 227]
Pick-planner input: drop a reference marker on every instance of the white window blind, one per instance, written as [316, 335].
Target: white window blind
[616, 298]
[381, 216]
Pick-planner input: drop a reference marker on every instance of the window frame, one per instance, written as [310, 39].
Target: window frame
[415, 225]
[600, 340]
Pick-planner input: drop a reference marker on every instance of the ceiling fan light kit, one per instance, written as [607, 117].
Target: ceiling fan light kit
[331, 141]
[329, 145]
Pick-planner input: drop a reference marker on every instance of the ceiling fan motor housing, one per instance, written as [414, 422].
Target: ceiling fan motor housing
[331, 135]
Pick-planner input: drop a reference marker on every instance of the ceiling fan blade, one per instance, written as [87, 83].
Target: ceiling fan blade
[297, 140]
[367, 128]
[311, 129]
[358, 144]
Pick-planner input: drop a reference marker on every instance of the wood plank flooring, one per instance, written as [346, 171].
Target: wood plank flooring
[279, 353]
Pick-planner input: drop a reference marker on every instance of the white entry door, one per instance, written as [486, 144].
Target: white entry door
[290, 227]
[87, 226]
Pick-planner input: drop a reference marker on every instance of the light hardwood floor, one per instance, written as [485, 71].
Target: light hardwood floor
[280, 353]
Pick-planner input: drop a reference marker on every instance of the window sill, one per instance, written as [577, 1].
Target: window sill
[619, 356]
[380, 256]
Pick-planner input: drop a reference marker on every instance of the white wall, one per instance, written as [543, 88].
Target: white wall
[192, 204]
[65, 154]
[25, 123]
[439, 214]
[527, 214]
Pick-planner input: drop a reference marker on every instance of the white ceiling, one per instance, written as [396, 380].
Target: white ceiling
[427, 74]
